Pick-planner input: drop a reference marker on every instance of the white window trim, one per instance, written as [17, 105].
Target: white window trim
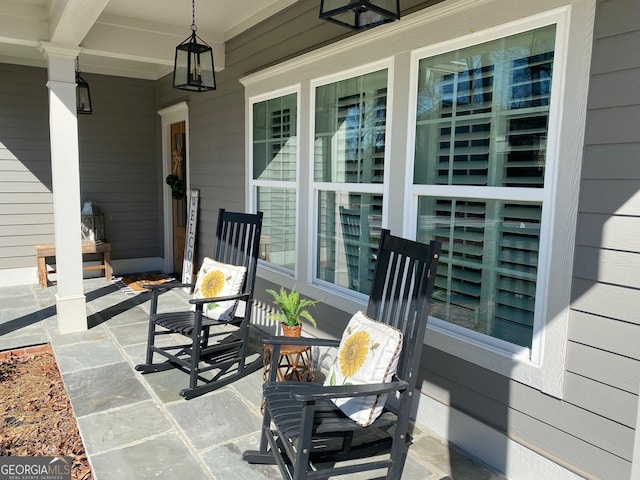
[315, 187]
[463, 21]
[543, 365]
[251, 183]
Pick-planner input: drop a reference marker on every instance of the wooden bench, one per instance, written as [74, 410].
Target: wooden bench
[103, 248]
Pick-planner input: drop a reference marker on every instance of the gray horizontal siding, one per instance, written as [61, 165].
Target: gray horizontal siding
[603, 359]
[26, 212]
[608, 266]
[569, 434]
[606, 49]
[120, 165]
[600, 398]
[605, 333]
[606, 231]
[615, 197]
[621, 159]
[618, 371]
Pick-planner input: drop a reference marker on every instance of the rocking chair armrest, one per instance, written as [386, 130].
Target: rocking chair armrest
[316, 391]
[202, 301]
[310, 341]
[167, 286]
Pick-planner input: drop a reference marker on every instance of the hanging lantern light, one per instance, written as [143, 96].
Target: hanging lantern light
[83, 95]
[193, 67]
[360, 14]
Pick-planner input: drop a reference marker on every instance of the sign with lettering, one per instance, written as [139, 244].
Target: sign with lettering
[35, 468]
[190, 240]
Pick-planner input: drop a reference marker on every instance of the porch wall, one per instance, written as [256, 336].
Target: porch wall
[119, 168]
[603, 358]
[591, 430]
[26, 202]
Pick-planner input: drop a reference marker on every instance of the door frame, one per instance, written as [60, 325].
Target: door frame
[170, 115]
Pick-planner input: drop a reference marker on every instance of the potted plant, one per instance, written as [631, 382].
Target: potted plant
[293, 309]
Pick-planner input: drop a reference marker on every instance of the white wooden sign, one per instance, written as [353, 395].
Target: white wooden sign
[190, 240]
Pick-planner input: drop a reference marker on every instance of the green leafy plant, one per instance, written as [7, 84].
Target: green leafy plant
[178, 187]
[293, 308]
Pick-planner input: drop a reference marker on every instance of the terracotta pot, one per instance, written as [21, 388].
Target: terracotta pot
[288, 331]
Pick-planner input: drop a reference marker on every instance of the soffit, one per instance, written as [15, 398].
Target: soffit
[132, 38]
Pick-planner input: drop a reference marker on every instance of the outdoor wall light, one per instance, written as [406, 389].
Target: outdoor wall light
[360, 14]
[83, 95]
[193, 67]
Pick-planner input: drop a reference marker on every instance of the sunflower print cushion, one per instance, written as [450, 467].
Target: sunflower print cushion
[368, 353]
[216, 279]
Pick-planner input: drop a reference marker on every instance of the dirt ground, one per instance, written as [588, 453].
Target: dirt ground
[36, 416]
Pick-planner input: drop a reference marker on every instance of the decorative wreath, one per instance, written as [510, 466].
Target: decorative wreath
[178, 187]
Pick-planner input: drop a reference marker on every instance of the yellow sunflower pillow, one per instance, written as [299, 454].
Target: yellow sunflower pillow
[368, 353]
[216, 279]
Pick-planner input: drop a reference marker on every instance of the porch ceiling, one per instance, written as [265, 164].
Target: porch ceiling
[130, 38]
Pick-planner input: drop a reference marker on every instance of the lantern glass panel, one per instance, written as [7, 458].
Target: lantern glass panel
[360, 14]
[194, 66]
[92, 224]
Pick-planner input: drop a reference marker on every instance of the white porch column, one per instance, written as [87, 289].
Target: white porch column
[63, 132]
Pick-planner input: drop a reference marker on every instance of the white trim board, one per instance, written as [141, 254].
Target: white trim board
[29, 275]
[170, 115]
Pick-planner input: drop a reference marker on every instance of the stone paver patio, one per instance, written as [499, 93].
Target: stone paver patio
[137, 426]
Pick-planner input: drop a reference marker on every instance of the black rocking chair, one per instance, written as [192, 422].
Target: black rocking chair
[237, 243]
[304, 433]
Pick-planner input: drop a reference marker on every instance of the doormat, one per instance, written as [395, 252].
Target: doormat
[133, 285]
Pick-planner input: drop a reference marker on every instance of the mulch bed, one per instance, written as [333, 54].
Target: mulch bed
[37, 419]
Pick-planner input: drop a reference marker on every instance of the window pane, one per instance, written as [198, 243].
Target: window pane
[482, 113]
[348, 234]
[278, 238]
[486, 278]
[274, 139]
[350, 129]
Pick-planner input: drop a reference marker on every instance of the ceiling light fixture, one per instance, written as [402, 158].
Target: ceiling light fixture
[193, 67]
[360, 14]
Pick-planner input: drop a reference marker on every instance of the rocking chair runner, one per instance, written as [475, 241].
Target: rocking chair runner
[237, 243]
[303, 431]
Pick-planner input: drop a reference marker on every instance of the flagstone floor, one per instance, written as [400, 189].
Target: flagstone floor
[137, 426]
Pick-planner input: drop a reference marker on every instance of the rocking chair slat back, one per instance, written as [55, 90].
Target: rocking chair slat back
[306, 434]
[401, 295]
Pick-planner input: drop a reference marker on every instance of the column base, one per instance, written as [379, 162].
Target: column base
[72, 314]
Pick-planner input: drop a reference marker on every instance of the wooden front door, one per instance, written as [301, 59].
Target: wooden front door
[179, 194]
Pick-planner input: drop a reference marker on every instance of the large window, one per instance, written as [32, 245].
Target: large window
[482, 117]
[435, 132]
[348, 173]
[274, 176]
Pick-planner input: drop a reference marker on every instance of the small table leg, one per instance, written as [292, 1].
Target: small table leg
[108, 271]
[42, 272]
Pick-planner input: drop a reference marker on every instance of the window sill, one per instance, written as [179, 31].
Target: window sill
[495, 355]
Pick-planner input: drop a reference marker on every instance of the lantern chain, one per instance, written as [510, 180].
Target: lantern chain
[193, 16]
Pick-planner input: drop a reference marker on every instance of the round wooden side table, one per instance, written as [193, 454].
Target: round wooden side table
[295, 363]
